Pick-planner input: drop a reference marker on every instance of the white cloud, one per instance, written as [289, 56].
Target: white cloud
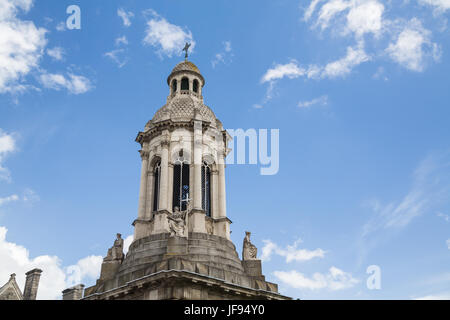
[21, 45]
[8, 199]
[334, 280]
[73, 83]
[321, 101]
[330, 10]
[446, 217]
[121, 40]
[61, 26]
[118, 57]
[430, 189]
[54, 279]
[441, 5]
[355, 56]
[438, 296]
[56, 53]
[169, 39]
[290, 253]
[88, 267]
[290, 70]
[339, 68]
[225, 56]
[448, 244]
[7, 146]
[127, 242]
[412, 46]
[30, 196]
[310, 9]
[365, 17]
[126, 16]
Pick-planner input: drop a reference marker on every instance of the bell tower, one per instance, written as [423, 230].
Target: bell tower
[181, 247]
[183, 161]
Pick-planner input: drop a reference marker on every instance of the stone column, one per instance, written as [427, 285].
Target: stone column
[143, 187]
[197, 190]
[149, 202]
[222, 191]
[31, 284]
[170, 189]
[215, 193]
[164, 184]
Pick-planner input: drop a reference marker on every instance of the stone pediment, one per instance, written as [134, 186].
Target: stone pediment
[11, 291]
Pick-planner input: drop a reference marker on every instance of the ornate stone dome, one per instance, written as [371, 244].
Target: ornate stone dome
[185, 66]
[182, 108]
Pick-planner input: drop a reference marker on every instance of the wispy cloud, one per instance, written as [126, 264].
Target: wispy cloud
[376, 37]
[169, 39]
[75, 84]
[125, 16]
[118, 57]
[430, 189]
[57, 53]
[412, 45]
[446, 217]
[290, 252]
[22, 46]
[8, 199]
[121, 41]
[335, 279]
[321, 101]
[7, 146]
[439, 5]
[437, 296]
[225, 56]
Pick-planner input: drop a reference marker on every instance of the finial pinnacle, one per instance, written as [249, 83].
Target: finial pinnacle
[186, 48]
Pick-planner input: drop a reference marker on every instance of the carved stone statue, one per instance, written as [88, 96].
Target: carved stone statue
[178, 223]
[116, 251]
[249, 251]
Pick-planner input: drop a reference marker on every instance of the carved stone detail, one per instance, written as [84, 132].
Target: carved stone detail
[249, 250]
[115, 253]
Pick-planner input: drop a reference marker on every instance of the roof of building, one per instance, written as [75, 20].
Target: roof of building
[186, 66]
[11, 291]
[183, 108]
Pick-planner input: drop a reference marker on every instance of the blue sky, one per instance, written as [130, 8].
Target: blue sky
[359, 90]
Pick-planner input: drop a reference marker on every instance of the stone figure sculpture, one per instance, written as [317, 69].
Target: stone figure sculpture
[116, 251]
[249, 250]
[178, 223]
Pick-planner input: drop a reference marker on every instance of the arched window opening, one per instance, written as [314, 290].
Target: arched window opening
[185, 84]
[206, 189]
[195, 86]
[156, 183]
[180, 183]
[174, 86]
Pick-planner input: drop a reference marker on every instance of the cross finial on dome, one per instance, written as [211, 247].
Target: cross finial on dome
[186, 48]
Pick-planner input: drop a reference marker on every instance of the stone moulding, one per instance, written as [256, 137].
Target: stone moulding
[208, 259]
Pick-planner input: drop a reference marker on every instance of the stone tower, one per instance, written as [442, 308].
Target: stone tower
[182, 247]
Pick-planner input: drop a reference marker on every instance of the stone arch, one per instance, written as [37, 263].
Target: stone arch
[185, 83]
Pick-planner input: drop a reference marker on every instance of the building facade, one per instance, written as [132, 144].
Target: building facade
[11, 290]
[182, 247]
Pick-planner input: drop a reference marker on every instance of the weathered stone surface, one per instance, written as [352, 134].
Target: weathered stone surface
[32, 284]
[177, 245]
[74, 293]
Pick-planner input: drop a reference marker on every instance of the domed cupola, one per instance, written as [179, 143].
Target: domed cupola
[186, 79]
[185, 101]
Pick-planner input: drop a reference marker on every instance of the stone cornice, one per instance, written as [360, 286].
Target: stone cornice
[192, 277]
[157, 128]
